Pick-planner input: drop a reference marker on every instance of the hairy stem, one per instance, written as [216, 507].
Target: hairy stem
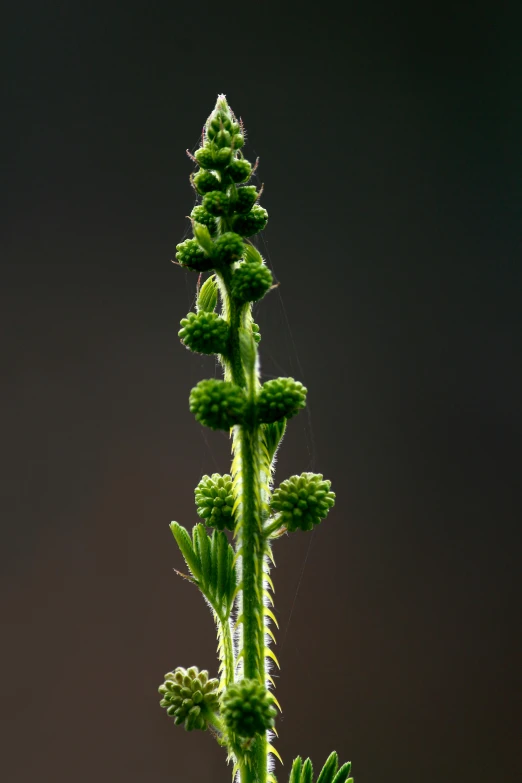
[250, 542]
[228, 651]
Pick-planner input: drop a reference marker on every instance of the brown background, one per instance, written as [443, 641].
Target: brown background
[389, 139]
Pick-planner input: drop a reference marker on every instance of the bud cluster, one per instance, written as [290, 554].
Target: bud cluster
[215, 501]
[204, 332]
[229, 207]
[222, 404]
[248, 708]
[190, 697]
[303, 501]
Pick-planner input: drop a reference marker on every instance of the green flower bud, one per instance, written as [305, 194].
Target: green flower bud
[205, 182]
[215, 500]
[204, 333]
[239, 170]
[190, 254]
[250, 282]
[248, 708]
[237, 141]
[228, 247]
[200, 215]
[223, 138]
[216, 203]
[190, 705]
[246, 198]
[303, 501]
[281, 398]
[217, 404]
[204, 157]
[222, 157]
[251, 223]
[256, 334]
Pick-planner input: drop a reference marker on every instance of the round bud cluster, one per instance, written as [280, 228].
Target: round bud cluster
[254, 221]
[303, 501]
[246, 198]
[217, 404]
[281, 398]
[248, 708]
[256, 334]
[190, 255]
[205, 218]
[239, 170]
[215, 501]
[204, 332]
[228, 247]
[204, 157]
[205, 182]
[251, 281]
[216, 202]
[190, 697]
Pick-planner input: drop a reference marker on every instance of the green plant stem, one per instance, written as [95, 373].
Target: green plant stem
[251, 545]
[250, 536]
[228, 651]
[233, 313]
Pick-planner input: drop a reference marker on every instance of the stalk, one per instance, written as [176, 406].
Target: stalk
[238, 708]
[250, 542]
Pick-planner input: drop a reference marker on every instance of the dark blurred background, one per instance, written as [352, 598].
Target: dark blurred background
[389, 143]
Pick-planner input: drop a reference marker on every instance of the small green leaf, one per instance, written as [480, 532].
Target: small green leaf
[330, 768]
[208, 296]
[273, 435]
[247, 349]
[203, 237]
[307, 774]
[202, 547]
[185, 544]
[222, 568]
[295, 773]
[252, 254]
[343, 773]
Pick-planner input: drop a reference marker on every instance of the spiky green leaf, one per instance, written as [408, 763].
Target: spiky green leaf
[343, 773]
[186, 547]
[329, 770]
[295, 772]
[307, 773]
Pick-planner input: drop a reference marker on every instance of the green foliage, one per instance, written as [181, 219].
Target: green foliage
[303, 773]
[211, 562]
[303, 501]
[248, 708]
[204, 332]
[234, 578]
[215, 501]
[190, 697]
[279, 399]
[208, 296]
